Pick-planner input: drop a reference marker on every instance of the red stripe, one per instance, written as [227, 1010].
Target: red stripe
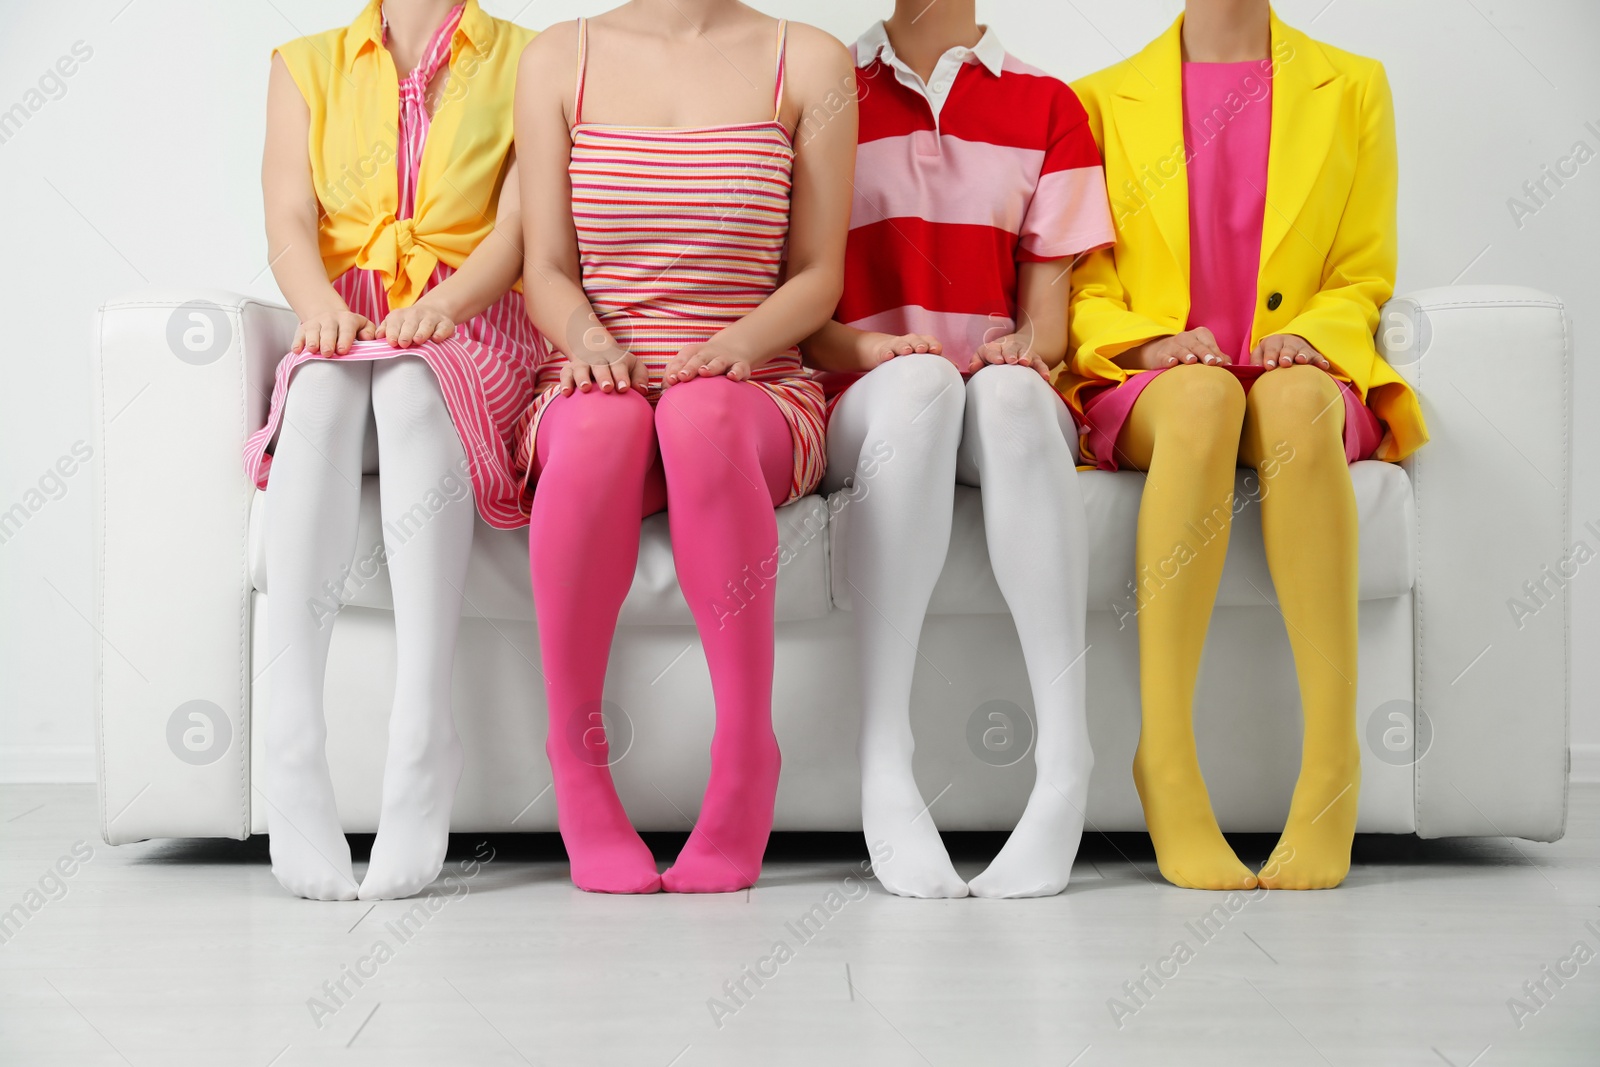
[941, 267]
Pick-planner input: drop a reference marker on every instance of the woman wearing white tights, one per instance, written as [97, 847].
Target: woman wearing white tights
[953, 318]
[398, 251]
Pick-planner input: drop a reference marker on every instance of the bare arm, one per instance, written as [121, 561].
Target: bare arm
[552, 284]
[1042, 291]
[822, 81]
[291, 210]
[1040, 338]
[835, 347]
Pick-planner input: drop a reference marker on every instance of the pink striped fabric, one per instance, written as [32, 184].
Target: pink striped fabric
[681, 232]
[486, 371]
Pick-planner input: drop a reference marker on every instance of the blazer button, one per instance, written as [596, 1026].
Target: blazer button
[1273, 301]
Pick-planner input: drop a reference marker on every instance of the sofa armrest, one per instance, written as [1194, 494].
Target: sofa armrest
[1493, 366]
[180, 378]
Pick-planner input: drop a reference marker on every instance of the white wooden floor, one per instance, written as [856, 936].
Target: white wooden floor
[172, 953]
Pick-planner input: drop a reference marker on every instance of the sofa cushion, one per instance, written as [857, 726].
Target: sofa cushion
[812, 548]
[967, 585]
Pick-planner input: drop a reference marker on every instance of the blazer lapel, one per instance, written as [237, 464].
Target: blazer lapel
[1305, 111]
[1147, 108]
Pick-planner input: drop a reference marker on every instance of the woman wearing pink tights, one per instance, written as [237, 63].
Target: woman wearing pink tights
[664, 184]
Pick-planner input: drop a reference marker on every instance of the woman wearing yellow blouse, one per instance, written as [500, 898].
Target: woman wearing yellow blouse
[394, 232]
[1252, 179]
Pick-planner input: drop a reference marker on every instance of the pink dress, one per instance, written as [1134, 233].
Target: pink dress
[1227, 148]
[485, 371]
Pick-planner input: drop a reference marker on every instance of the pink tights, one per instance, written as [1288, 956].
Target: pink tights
[720, 453]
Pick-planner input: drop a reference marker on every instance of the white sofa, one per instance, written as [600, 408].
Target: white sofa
[1448, 541]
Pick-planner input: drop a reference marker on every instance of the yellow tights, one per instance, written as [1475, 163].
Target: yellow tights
[1189, 429]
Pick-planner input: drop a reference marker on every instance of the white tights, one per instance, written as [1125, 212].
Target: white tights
[905, 434]
[313, 499]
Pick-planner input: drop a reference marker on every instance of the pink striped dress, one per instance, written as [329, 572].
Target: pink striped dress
[486, 371]
[681, 231]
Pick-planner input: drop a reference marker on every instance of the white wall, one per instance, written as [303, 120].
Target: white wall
[142, 167]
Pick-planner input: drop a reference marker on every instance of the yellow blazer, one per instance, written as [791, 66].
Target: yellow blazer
[1327, 241]
[349, 83]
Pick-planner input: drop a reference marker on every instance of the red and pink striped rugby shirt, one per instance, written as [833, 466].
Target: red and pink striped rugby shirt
[989, 165]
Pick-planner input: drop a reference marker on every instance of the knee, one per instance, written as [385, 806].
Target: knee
[1211, 403]
[712, 433]
[701, 416]
[927, 389]
[325, 397]
[1016, 401]
[1207, 390]
[1293, 394]
[406, 397]
[1301, 406]
[606, 424]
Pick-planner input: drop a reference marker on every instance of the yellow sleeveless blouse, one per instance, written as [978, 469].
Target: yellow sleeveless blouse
[349, 82]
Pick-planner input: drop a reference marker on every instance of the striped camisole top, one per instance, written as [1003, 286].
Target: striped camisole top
[681, 231]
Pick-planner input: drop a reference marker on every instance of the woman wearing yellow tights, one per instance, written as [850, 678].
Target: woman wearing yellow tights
[1252, 177]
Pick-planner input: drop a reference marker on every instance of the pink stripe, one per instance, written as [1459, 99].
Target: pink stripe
[1069, 214]
[640, 216]
[977, 184]
[595, 163]
[642, 190]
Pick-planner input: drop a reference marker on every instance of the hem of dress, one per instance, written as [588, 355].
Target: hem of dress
[792, 414]
[1135, 384]
[259, 469]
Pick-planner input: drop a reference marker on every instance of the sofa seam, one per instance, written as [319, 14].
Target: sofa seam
[1474, 304]
[827, 552]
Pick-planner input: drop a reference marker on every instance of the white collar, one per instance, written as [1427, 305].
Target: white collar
[875, 44]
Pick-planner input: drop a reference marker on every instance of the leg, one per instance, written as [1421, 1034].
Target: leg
[1184, 430]
[893, 441]
[313, 500]
[1014, 447]
[595, 455]
[727, 453]
[427, 510]
[1294, 435]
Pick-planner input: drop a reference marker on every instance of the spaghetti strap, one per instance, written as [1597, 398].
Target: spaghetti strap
[583, 63]
[777, 90]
